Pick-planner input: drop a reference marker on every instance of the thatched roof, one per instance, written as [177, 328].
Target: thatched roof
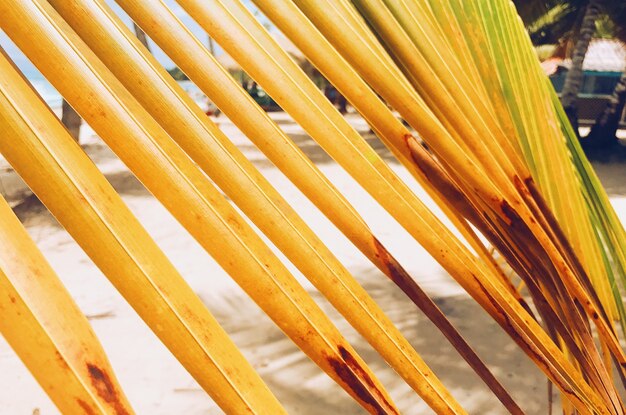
[605, 55]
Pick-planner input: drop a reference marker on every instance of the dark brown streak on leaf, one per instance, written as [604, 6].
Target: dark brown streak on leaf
[533, 270]
[105, 388]
[514, 226]
[353, 375]
[439, 178]
[569, 307]
[503, 319]
[87, 410]
[565, 244]
[408, 285]
[546, 272]
[451, 192]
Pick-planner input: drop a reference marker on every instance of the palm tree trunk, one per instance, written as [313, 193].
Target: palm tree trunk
[604, 130]
[574, 79]
[71, 120]
[141, 35]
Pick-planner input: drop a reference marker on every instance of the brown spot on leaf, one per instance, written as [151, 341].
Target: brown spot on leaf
[395, 271]
[87, 410]
[509, 213]
[350, 371]
[106, 388]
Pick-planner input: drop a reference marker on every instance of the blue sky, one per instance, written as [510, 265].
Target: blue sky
[31, 72]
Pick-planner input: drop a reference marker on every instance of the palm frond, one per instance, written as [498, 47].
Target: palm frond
[489, 143]
[47, 330]
[104, 227]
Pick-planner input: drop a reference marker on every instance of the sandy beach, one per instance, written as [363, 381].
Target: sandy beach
[157, 384]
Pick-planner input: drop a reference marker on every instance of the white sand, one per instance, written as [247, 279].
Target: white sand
[156, 384]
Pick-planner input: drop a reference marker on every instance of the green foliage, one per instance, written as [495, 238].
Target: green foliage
[549, 22]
